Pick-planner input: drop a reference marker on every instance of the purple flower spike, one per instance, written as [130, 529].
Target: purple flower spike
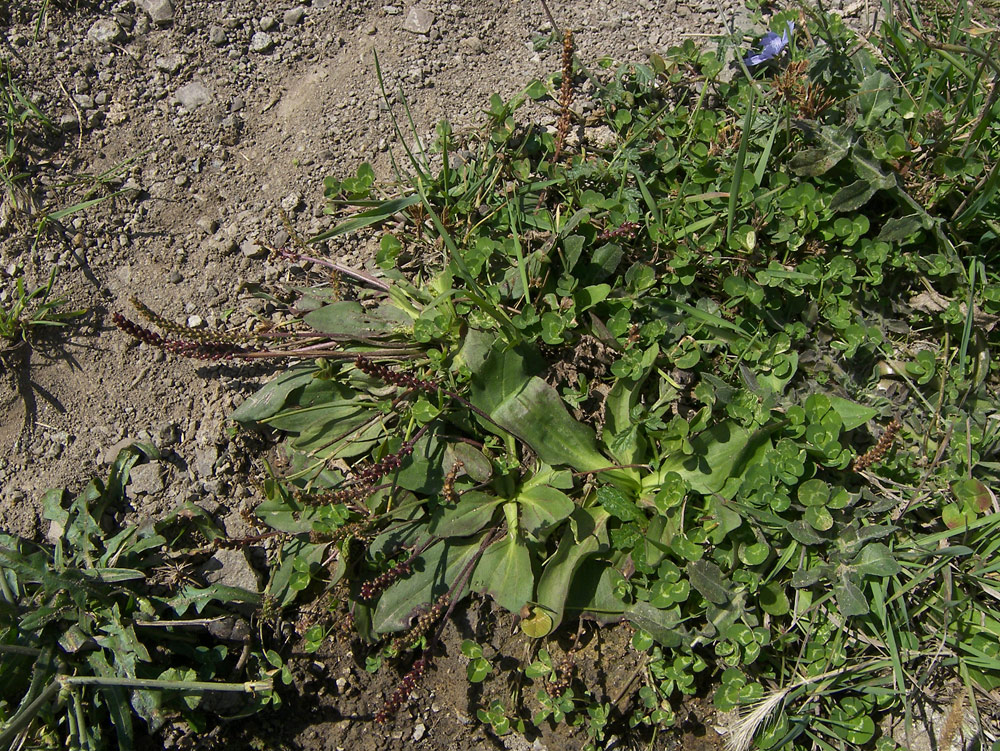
[771, 45]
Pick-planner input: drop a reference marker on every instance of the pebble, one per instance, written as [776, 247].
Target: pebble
[106, 31]
[168, 433]
[267, 23]
[261, 42]
[175, 277]
[419, 730]
[252, 249]
[291, 202]
[192, 95]
[217, 36]
[418, 21]
[169, 63]
[195, 322]
[230, 567]
[205, 458]
[293, 16]
[146, 479]
[161, 12]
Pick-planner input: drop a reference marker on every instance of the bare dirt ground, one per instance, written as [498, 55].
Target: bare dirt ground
[201, 119]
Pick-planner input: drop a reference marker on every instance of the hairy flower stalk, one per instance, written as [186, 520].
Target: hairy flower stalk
[406, 380]
[627, 230]
[879, 450]
[374, 472]
[440, 612]
[448, 490]
[403, 690]
[421, 626]
[372, 589]
[565, 95]
[207, 349]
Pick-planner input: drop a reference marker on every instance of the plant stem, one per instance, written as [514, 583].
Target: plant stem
[248, 687]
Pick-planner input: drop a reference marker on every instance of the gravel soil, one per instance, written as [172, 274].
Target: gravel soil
[197, 121]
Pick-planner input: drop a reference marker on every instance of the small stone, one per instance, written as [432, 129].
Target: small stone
[102, 98]
[418, 21]
[181, 180]
[84, 101]
[161, 12]
[146, 479]
[205, 458]
[168, 433]
[371, 29]
[207, 224]
[169, 63]
[195, 322]
[291, 202]
[231, 567]
[217, 36]
[252, 249]
[175, 277]
[106, 31]
[293, 16]
[392, 10]
[261, 42]
[193, 95]
[471, 45]
[418, 731]
[267, 23]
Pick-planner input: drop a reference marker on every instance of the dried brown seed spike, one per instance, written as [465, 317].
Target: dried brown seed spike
[565, 95]
[879, 450]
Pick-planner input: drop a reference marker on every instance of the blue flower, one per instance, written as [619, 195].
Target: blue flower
[771, 46]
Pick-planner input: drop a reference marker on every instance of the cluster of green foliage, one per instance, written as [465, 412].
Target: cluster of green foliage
[103, 624]
[31, 311]
[722, 371]
[659, 357]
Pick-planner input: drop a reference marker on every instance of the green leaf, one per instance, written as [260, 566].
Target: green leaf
[270, 399]
[434, 571]
[833, 146]
[853, 196]
[663, 625]
[504, 572]
[615, 503]
[850, 599]
[475, 464]
[473, 512]
[804, 533]
[875, 97]
[422, 471]
[531, 410]
[898, 229]
[542, 507]
[590, 536]
[377, 215]
[710, 582]
[348, 318]
[819, 518]
[875, 559]
[773, 600]
[813, 492]
[717, 455]
[869, 170]
[853, 415]
[973, 494]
